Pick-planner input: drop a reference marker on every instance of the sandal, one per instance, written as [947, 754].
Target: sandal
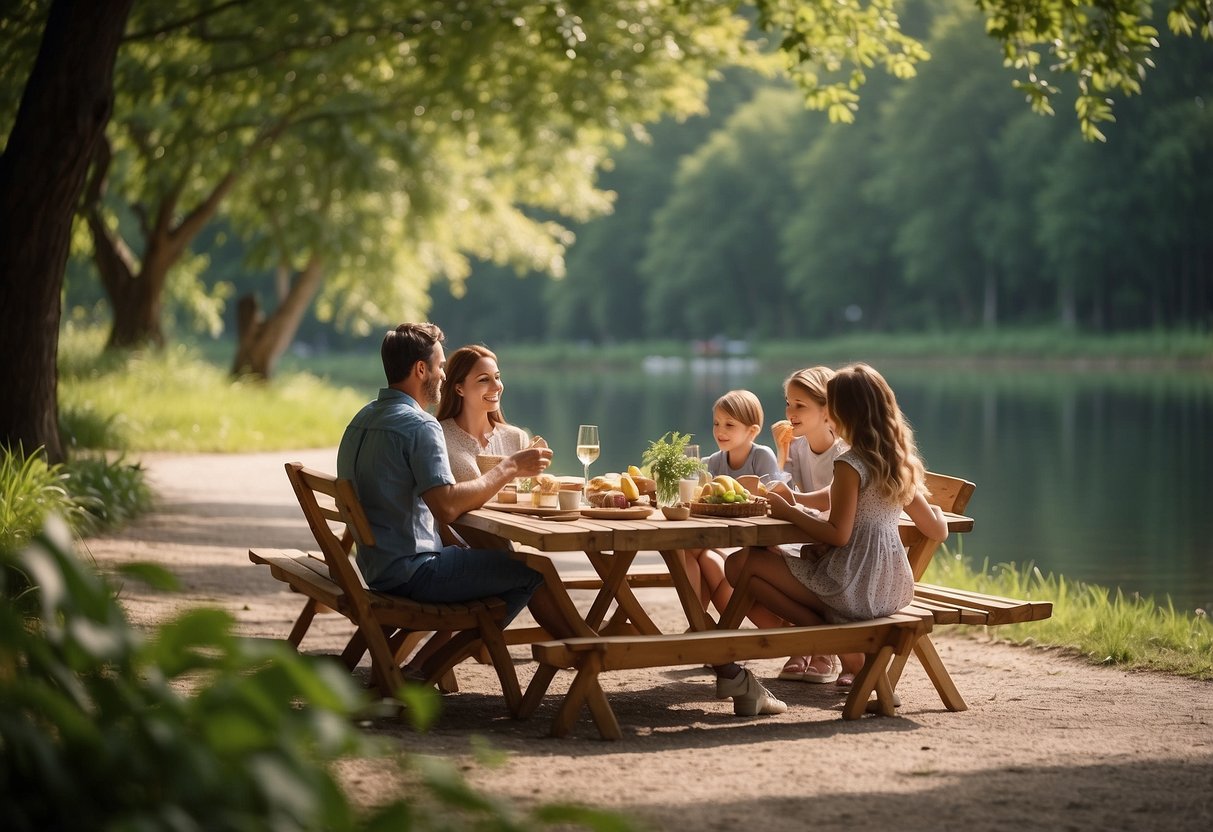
[800, 669]
[845, 680]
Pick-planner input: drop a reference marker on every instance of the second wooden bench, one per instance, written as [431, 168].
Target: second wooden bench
[880, 640]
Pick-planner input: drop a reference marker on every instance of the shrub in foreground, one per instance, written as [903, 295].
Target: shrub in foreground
[190, 728]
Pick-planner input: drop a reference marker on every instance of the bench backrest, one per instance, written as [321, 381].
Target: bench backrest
[950, 494]
[326, 499]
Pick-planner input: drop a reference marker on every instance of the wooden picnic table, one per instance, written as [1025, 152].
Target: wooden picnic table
[611, 547]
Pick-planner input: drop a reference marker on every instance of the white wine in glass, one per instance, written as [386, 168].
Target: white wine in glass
[587, 449]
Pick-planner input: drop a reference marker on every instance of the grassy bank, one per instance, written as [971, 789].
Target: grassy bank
[174, 400]
[1046, 345]
[1100, 624]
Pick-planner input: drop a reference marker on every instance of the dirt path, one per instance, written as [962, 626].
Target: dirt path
[1048, 741]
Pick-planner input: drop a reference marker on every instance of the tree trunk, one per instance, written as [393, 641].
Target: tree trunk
[135, 297]
[262, 340]
[989, 306]
[64, 110]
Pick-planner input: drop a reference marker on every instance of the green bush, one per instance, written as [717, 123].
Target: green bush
[84, 428]
[113, 492]
[30, 491]
[89, 492]
[192, 728]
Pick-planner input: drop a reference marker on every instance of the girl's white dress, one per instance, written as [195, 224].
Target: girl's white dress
[869, 577]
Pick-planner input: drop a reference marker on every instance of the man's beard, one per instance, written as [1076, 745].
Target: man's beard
[433, 390]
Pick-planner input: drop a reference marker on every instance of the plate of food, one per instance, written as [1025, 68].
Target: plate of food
[631, 513]
[527, 508]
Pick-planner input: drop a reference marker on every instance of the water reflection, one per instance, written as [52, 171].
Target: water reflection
[1101, 477]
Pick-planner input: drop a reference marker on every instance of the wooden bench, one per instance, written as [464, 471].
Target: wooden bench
[881, 640]
[307, 574]
[385, 625]
[941, 604]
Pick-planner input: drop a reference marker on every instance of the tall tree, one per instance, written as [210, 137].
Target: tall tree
[712, 259]
[62, 115]
[431, 131]
[938, 174]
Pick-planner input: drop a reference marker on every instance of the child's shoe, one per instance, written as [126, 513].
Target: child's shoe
[750, 698]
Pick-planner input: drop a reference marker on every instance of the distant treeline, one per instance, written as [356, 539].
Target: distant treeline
[946, 204]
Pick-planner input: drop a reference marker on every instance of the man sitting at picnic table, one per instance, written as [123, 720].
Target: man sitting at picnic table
[395, 454]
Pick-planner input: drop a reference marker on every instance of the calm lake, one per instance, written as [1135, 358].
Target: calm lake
[1102, 477]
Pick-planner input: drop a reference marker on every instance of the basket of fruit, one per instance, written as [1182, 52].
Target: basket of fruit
[725, 497]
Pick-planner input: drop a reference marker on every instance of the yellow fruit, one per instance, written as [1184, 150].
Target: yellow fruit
[731, 485]
[633, 471]
[718, 489]
[705, 492]
[628, 486]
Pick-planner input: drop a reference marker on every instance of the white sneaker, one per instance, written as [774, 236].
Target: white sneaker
[750, 698]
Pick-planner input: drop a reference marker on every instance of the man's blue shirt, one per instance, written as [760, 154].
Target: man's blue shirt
[394, 451]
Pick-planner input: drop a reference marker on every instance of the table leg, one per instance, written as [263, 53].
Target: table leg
[551, 578]
[692, 605]
[614, 570]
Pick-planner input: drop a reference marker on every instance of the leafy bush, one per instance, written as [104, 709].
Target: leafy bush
[84, 428]
[89, 492]
[30, 491]
[189, 729]
[113, 492]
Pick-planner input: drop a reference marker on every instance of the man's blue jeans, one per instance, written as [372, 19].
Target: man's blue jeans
[456, 574]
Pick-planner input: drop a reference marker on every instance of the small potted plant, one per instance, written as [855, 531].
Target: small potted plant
[668, 463]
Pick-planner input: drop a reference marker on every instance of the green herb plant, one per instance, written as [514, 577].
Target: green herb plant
[668, 463]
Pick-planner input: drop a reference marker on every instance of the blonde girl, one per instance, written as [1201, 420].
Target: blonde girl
[806, 442]
[808, 446]
[861, 571]
[736, 422]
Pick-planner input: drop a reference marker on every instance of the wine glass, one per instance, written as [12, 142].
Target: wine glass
[587, 448]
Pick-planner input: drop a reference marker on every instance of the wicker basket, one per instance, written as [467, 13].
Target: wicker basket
[757, 507]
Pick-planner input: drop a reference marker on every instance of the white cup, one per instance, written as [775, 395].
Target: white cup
[687, 489]
[569, 500]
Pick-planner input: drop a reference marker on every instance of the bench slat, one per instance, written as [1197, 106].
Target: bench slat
[724, 646]
[998, 610]
[298, 573]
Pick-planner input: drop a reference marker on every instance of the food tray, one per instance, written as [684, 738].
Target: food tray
[634, 513]
[527, 508]
[757, 507]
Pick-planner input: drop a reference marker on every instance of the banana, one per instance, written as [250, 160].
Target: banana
[633, 471]
[732, 486]
[628, 486]
[718, 489]
[705, 492]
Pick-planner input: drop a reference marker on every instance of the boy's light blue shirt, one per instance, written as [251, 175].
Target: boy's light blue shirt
[761, 463]
[394, 451]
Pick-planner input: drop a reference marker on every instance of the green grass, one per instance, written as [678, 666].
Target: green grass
[173, 400]
[1102, 625]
